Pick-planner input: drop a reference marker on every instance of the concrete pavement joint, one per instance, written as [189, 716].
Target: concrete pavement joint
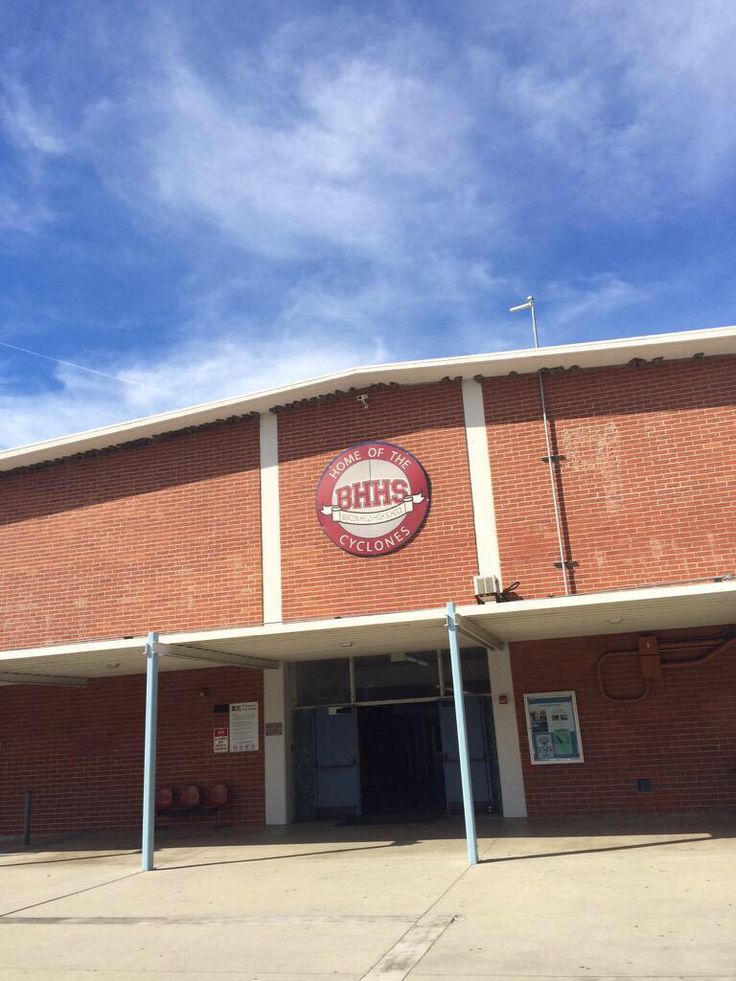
[17, 974]
[276, 919]
[409, 950]
[385, 969]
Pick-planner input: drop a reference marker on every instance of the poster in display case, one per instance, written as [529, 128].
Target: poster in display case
[553, 727]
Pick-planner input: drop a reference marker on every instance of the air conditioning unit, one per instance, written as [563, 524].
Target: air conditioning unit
[486, 587]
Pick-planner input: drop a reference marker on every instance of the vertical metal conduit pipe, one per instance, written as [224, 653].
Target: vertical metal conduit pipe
[529, 305]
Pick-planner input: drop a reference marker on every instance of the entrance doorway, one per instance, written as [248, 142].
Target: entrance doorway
[377, 736]
[399, 760]
[401, 763]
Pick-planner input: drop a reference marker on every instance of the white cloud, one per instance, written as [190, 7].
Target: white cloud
[24, 122]
[317, 331]
[23, 211]
[592, 298]
[380, 181]
[632, 102]
[353, 152]
[378, 145]
[23, 199]
[204, 369]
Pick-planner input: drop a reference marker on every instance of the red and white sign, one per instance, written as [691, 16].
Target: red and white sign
[220, 739]
[373, 499]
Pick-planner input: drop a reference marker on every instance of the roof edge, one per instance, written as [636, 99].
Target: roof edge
[590, 354]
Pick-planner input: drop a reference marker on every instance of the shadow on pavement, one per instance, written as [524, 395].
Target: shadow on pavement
[571, 832]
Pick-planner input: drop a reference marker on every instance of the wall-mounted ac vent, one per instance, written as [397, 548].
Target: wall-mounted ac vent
[486, 587]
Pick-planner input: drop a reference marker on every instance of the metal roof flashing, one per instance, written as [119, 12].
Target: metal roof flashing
[707, 342]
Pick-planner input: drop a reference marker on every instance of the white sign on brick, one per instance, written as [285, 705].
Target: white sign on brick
[244, 727]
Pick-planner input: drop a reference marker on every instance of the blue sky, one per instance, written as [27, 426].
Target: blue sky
[203, 200]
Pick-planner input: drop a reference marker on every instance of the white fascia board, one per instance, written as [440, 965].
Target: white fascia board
[307, 627]
[490, 616]
[585, 600]
[592, 354]
[102, 647]
[618, 611]
[203, 637]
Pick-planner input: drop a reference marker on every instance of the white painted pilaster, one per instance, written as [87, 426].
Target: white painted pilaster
[489, 563]
[481, 485]
[270, 519]
[277, 716]
[507, 734]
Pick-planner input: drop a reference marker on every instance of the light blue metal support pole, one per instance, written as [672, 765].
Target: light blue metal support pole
[462, 737]
[149, 757]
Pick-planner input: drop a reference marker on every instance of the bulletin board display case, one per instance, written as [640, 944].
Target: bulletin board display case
[553, 727]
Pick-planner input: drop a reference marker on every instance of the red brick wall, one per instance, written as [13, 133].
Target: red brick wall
[164, 536]
[682, 737]
[648, 481]
[319, 579]
[81, 750]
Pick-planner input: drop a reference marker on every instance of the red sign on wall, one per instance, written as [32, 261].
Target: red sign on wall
[220, 739]
[373, 499]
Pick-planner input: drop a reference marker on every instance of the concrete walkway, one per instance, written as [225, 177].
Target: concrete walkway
[638, 899]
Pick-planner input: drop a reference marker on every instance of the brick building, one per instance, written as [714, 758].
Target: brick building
[295, 551]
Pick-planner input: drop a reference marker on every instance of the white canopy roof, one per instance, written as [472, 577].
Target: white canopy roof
[616, 612]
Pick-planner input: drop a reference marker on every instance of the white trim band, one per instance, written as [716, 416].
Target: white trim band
[505, 724]
[270, 518]
[481, 484]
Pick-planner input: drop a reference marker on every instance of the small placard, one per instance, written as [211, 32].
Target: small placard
[244, 727]
[274, 728]
[221, 739]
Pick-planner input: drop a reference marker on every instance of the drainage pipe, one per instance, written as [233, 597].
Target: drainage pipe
[550, 464]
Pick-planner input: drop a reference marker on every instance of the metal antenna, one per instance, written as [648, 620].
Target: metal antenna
[529, 305]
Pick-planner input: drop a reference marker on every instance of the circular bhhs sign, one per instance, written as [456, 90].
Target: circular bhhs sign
[373, 498]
